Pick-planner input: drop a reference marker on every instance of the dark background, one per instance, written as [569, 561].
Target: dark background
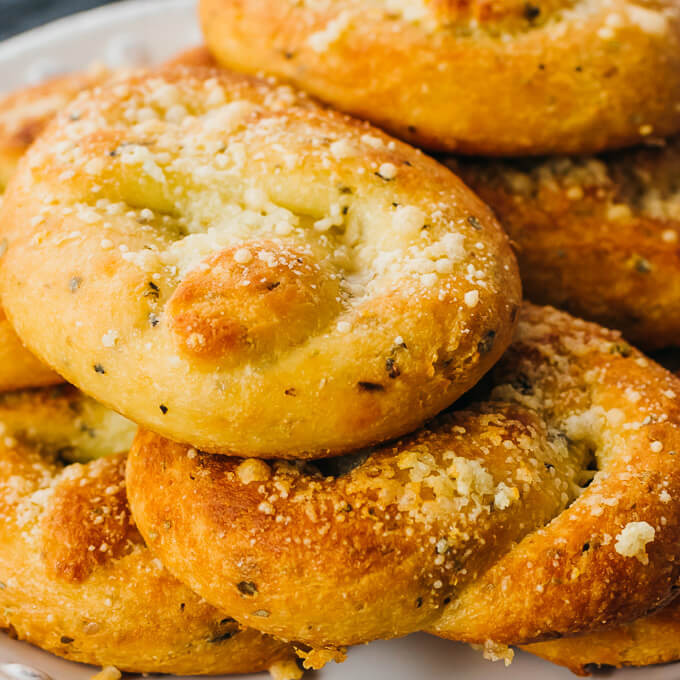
[20, 15]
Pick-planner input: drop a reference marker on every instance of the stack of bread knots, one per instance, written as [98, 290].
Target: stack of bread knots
[308, 406]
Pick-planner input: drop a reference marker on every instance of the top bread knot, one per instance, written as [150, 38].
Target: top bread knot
[491, 77]
[280, 279]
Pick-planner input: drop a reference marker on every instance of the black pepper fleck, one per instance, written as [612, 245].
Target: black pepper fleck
[163, 408]
[485, 345]
[474, 222]
[392, 368]
[531, 12]
[386, 179]
[622, 349]
[370, 386]
[98, 368]
[66, 640]
[247, 588]
[154, 291]
[642, 265]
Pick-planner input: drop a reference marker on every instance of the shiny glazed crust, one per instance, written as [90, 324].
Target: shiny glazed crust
[598, 236]
[75, 576]
[496, 77]
[476, 528]
[233, 266]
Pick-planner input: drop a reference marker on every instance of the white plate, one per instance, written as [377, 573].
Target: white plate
[149, 31]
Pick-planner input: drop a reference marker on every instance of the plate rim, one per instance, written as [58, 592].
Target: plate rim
[33, 37]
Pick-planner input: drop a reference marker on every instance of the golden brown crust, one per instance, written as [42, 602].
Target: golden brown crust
[75, 575]
[194, 56]
[651, 640]
[65, 541]
[18, 367]
[328, 289]
[25, 114]
[597, 236]
[502, 77]
[479, 523]
[213, 315]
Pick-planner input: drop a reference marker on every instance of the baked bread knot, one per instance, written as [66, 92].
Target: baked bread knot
[279, 279]
[547, 508]
[596, 235]
[18, 367]
[75, 576]
[23, 116]
[651, 640]
[492, 77]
